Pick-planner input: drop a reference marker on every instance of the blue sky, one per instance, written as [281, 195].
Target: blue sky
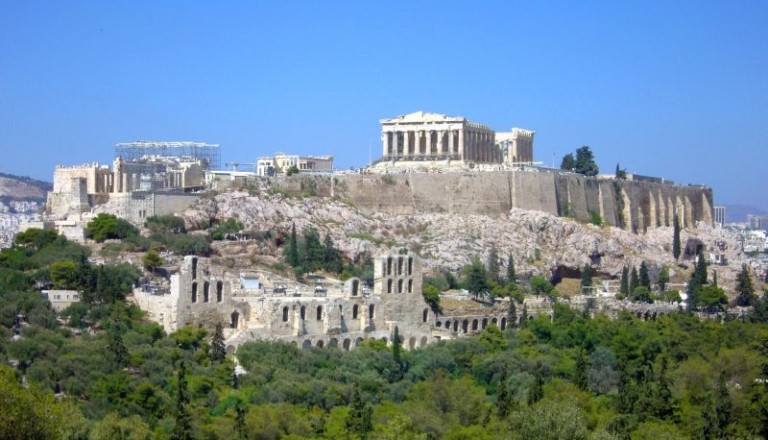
[670, 88]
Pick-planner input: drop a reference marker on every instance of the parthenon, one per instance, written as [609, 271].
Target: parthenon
[421, 136]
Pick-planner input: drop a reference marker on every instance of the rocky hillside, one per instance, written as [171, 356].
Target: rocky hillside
[23, 188]
[540, 243]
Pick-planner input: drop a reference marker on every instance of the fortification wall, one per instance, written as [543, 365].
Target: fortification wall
[633, 205]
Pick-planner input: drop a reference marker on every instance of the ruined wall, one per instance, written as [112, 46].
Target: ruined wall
[633, 205]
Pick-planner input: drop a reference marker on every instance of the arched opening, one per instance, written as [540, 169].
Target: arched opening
[410, 266]
[303, 312]
[410, 286]
[206, 291]
[320, 343]
[389, 286]
[358, 341]
[485, 323]
[307, 344]
[194, 293]
[503, 323]
[474, 324]
[371, 312]
[319, 313]
[465, 325]
[219, 290]
[455, 326]
[346, 344]
[423, 341]
[424, 315]
[333, 343]
[389, 265]
[194, 268]
[285, 314]
[399, 286]
[354, 311]
[399, 265]
[234, 319]
[494, 321]
[412, 343]
[438, 324]
[355, 287]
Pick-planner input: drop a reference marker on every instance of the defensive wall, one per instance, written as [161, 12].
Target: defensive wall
[633, 205]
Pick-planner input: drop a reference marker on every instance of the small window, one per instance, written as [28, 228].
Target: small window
[285, 314]
[319, 313]
[303, 312]
[354, 311]
[371, 312]
[194, 293]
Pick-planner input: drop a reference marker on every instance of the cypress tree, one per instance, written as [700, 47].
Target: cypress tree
[524, 317]
[396, 354]
[624, 286]
[493, 264]
[676, 238]
[511, 275]
[240, 428]
[744, 288]
[218, 350]
[293, 248]
[536, 391]
[582, 366]
[182, 429]
[663, 278]
[503, 400]
[644, 279]
[586, 276]
[701, 270]
[512, 313]
[116, 346]
[359, 420]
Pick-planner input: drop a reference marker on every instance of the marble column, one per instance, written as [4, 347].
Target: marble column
[406, 143]
[451, 143]
[461, 144]
[387, 144]
[440, 135]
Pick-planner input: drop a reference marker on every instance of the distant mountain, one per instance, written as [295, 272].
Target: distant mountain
[738, 213]
[23, 188]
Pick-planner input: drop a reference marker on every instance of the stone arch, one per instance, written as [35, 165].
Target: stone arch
[206, 291]
[319, 313]
[455, 326]
[474, 324]
[320, 343]
[389, 286]
[503, 323]
[234, 319]
[484, 323]
[194, 293]
[425, 315]
[307, 344]
[399, 286]
[358, 341]
[333, 343]
[410, 266]
[410, 286]
[355, 286]
[285, 313]
[371, 311]
[355, 309]
[303, 312]
[438, 324]
[389, 265]
[411, 343]
[219, 291]
[399, 266]
[494, 321]
[347, 342]
[194, 268]
[465, 325]
[424, 341]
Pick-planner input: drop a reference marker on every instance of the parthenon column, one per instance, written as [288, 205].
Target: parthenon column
[387, 145]
[451, 143]
[440, 134]
[406, 143]
[461, 144]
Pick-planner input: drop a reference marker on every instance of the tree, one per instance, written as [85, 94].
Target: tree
[536, 391]
[540, 285]
[240, 428]
[582, 367]
[585, 162]
[700, 273]
[711, 298]
[745, 290]
[586, 276]
[25, 412]
[476, 277]
[621, 174]
[332, 261]
[511, 275]
[292, 254]
[524, 316]
[663, 279]
[493, 264]
[624, 285]
[431, 296]
[634, 280]
[503, 399]
[116, 346]
[152, 260]
[567, 162]
[396, 347]
[293, 169]
[676, 238]
[644, 279]
[512, 314]
[313, 250]
[108, 226]
[218, 351]
[182, 429]
[359, 420]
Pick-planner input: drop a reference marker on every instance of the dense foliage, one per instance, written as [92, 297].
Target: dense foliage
[568, 376]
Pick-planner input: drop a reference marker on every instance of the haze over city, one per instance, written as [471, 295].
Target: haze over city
[675, 90]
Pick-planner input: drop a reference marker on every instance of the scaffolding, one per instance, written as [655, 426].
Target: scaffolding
[210, 154]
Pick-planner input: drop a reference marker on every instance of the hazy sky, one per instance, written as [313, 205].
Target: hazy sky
[670, 88]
